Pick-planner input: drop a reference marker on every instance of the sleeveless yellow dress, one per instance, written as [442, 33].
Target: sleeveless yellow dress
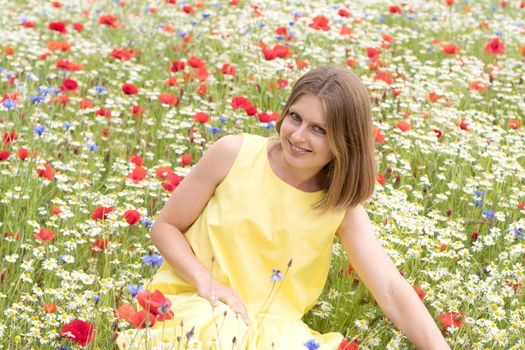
[254, 223]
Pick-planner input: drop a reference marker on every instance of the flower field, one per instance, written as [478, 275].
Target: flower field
[106, 105]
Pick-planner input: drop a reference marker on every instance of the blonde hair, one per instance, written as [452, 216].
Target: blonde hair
[349, 179]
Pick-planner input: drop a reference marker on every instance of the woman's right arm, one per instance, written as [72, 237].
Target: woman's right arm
[185, 205]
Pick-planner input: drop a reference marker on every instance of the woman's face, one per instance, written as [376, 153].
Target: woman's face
[303, 134]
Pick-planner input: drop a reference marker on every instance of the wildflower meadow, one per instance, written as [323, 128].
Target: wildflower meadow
[106, 105]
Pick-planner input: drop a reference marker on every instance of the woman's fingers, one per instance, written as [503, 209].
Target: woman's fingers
[235, 303]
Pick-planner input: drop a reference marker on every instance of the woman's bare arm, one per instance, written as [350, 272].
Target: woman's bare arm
[182, 209]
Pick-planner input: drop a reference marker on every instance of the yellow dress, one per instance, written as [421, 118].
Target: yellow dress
[254, 223]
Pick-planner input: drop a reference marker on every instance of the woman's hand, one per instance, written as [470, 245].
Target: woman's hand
[214, 291]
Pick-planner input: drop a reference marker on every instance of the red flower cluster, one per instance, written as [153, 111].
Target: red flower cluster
[239, 102]
[80, 332]
[320, 23]
[281, 51]
[156, 307]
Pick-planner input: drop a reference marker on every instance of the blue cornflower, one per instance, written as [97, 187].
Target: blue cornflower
[134, 289]
[153, 260]
[261, 25]
[519, 232]
[214, 130]
[479, 193]
[494, 7]
[96, 299]
[296, 14]
[276, 275]
[37, 98]
[279, 37]
[45, 90]
[489, 214]
[269, 126]
[312, 344]
[67, 125]
[206, 15]
[92, 147]
[183, 34]
[39, 129]
[9, 103]
[63, 348]
[146, 222]
[247, 30]
[63, 257]
[223, 119]
[478, 203]
[100, 89]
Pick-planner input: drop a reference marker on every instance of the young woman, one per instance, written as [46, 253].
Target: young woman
[247, 235]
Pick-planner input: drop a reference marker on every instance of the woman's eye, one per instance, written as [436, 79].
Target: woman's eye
[319, 130]
[295, 116]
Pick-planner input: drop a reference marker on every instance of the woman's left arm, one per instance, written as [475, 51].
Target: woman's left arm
[393, 293]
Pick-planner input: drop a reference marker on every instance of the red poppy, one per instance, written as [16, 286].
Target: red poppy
[434, 96]
[450, 49]
[343, 13]
[522, 50]
[100, 245]
[348, 345]
[464, 125]
[201, 117]
[388, 38]
[173, 181]
[4, 155]
[9, 136]
[108, 20]
[55, 210]
[239, 102]
[22, 153]
[84, 104]
[139, 319]
[130, 89]
[138, 174]
[403, 126]
[101, 213]
[202, 90]
[44, 235]
[521, 206]
[395, 9]
[136, 159]
[188, 9]
[80, 332]
[478, 85]
[228, 69]
[381, 179]
[264, 117]
[78, 26]
[185, 160]
[495, 47]
[420, 292]
[379, 136]
[69, 85]
[372, 52]
[168, 99]
[132, 217]
[177, 66]
[320, 23]
[438, 132]
[28, 24]
[156, 303]
[196, 62]
[46, 171]
[281, 51]
[450, 2]
[452, 320]
[58, 27]
[514, 124]
[268, 54]
[49, 308]
[384, 76]
[136, 111]
[103, 112]
[122, 54]
[163, 171]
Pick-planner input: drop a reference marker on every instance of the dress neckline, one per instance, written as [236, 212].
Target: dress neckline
[277, 178]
